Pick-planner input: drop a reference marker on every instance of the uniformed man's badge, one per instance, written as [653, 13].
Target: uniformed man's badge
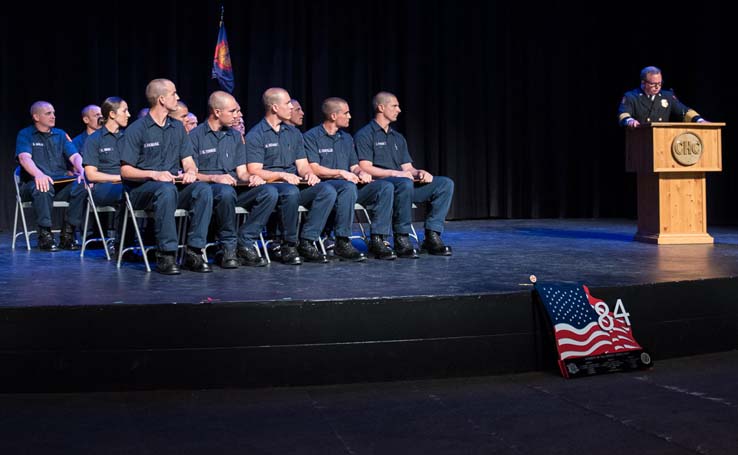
[664, 102]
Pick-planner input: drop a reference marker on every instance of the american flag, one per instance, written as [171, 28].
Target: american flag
[577, 327]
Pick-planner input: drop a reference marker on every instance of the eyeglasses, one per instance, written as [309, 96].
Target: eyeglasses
[653, 84]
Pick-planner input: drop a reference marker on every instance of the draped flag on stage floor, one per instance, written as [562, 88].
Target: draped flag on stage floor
[590, 338]
[222, 69]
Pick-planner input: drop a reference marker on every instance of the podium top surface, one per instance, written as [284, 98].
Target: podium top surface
[683, 124]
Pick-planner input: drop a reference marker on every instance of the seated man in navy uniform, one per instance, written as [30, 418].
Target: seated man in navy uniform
[153, 151]
[220, 155]
[330, 151]
[275, 152]
[92, 118]
[44, 153]
[383, 153]
[649, 104]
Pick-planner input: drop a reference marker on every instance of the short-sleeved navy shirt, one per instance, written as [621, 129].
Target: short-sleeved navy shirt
[386, 150]
[151, 147]
[50, 151]
[217, 152]
[276, 151]
[79, 140]
[333, 152]
[102, 150]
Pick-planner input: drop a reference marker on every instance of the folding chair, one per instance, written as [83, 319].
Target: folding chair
[20, 207]
[180, 214]
[240, 219]
[92, 207]
[414, 234]
[365, 213]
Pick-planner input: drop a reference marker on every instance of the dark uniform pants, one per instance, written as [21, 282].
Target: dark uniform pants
[43, 202]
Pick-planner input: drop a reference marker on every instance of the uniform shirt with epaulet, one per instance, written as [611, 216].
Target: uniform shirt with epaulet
[331, 151]
[217, 152]
[50, 151]
[387, 150]
[664, 107]
[277, 151]
[151, 147]
[102, 150]
[79, 140]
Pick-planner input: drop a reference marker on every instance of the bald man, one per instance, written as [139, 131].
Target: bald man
[276, 152]
[220, 155]
[154, 150]
[92, 118]
[44, 154]
[298, 115]
[384, 154]
[330, 151]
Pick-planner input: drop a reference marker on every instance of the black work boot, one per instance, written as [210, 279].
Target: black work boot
[307, 250]
[404, 248]
[194, 261]
[289, 254]
[166, 263]
[46, 239]
[381, 249]
[249, 256]
[346, 251]
[433, 244]
[66, 238]
[227, 258]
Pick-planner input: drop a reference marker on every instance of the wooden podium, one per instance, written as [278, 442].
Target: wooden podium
[671, 160]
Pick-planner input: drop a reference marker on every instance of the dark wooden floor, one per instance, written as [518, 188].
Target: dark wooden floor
[490, 256]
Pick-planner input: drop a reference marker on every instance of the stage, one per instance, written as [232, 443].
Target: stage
[71, 323]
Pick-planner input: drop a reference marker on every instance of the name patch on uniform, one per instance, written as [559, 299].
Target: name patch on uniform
[150, 144]
[208, 151]
[330, 150]
[377, 144]
[37, 144]
[271, 145]
[106, 149]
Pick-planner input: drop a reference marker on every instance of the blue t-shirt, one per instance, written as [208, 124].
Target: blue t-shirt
[151, 147]
[217, 152]
[50, 151]
[333, 152]
[276, 151]
[102, 150]
[79, 140]
[386, 150]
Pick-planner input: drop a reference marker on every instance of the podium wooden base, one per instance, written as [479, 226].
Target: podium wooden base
[674, 239]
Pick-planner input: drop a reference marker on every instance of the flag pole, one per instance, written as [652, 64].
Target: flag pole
[222, 11]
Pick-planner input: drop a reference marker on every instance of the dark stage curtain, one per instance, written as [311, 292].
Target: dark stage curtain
[516, 102]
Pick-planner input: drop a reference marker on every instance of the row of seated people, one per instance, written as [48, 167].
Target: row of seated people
[214, 168]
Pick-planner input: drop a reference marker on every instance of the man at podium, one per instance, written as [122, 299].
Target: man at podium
[649, 103]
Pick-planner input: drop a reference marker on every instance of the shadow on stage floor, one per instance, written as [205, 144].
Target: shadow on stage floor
[68, 318]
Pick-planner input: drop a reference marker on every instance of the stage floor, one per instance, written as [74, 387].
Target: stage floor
[490, 256]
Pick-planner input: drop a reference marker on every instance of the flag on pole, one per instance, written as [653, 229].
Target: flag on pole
[222, 69]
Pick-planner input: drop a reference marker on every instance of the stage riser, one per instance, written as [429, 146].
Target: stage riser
[273, 344]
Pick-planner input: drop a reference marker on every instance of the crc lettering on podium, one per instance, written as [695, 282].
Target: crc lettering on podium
[591, 338]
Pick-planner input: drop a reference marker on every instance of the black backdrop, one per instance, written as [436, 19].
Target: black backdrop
[517, 102]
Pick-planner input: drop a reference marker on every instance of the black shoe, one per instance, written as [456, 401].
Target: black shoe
[289, 255]
[381, 249]
[46, 239]
[404, 248]
[227, 258]
[166, 263]
[67, 240]
[346, 251]
[307, 250]
[194, 261]
[434, 245]
[275, 250]
[249, 256]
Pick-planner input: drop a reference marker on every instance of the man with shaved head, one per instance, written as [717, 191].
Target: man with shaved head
[180, 113]
[220, 155]
[331, 153]
[92, 118]
[297, 116]
[45, 153]
[154, 151]
[384, 154]
[276, 153]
